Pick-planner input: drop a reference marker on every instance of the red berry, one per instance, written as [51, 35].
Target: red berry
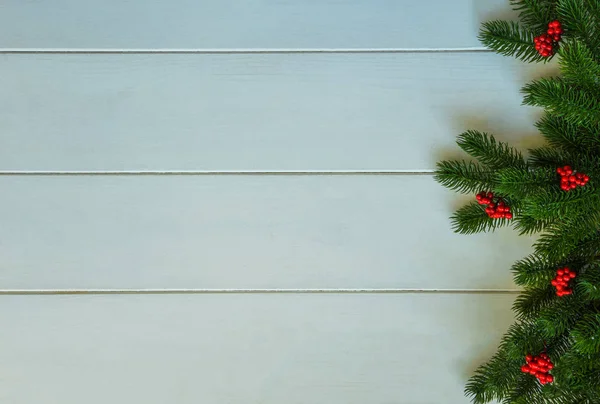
[549, 378]
[572, 275]
[550, 366]
[525, 369]
[508, 216]
[528, 358]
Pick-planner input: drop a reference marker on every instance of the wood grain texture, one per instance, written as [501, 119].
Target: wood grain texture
[245, 349]
[245, 232]
[268, 112]
[240, 24]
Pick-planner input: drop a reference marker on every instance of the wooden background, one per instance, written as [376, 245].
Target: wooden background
[231, 201]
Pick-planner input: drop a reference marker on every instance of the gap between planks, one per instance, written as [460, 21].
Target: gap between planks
[237, 51]
[217, 173]
[249, 291]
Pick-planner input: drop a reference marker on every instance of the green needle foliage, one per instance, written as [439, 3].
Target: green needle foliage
[567, 223]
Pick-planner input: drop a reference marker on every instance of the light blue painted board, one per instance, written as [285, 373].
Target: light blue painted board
[260, 112]
[244, 24]
[243, 232]
[246, 349]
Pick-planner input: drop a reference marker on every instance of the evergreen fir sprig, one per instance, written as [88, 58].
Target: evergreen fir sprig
[586, 335]
[588, 283]
[489, 152]
[556, 318]
[559, 242]
[528, 225]
[581, 19]
[535, 271]
[579, 377]
[569, 140]
[521, 183]
[566, 327]
[553, 203]
[536, 14]
[578, 65]
[533, 301]
[472, 218]
[508, 38]
[577, 105]
[548, 157]
[464, 176]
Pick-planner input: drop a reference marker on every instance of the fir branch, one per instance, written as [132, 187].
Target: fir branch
[472, 218]
[581, 20]
[569, 238]
[488, 151]
[586, 334]
[521, 182]
[508, 38]
[547, 157]
[578, 375]
[554, 203]
[577, 64]
[534, 270]
[588, 283]
[526, 390]
[569, 138]
[528, 225]
[536, 14]
[558, 316]
[493, 380]
[531, 302]
[577, 105]
[463, 176]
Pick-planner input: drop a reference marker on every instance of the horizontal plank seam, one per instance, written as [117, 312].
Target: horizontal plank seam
[208, 172]
[143, 51]
[249, 291]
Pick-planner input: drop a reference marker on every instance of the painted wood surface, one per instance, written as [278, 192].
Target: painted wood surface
[259, 112]
[245, 349]
[242, 24]
[242, 232]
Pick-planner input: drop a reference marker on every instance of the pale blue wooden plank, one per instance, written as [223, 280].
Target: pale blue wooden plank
[243, 232]
[241, 24]
[252, 112]
[246, 349]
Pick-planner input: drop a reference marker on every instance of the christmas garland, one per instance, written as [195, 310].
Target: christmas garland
[551, 354]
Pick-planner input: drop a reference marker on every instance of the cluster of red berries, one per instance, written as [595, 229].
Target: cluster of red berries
[569, 179]
[561, 281]
[544, 43]
[494, 210]
[539, 366]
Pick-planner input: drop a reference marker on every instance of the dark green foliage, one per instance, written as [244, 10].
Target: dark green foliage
[567, 139]
[586, 335]
[578, 65]
[535, 13]
[464, 176]
[488, 151]
[510, 39]
[581, 20]
[576, 104]
[472, 218]
[567, 328]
